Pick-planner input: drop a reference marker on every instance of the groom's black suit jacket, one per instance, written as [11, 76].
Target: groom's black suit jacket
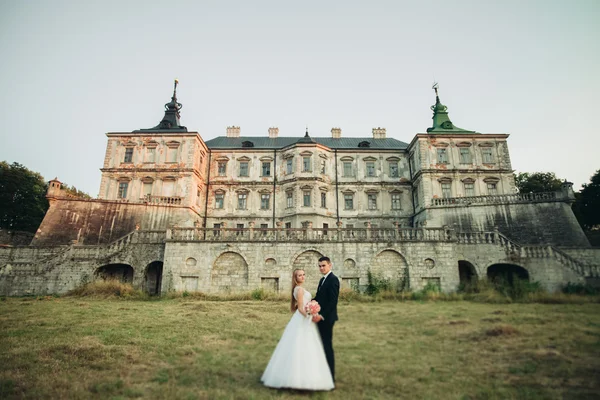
[327, 297]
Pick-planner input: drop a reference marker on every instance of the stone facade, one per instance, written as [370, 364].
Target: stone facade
[238, 213]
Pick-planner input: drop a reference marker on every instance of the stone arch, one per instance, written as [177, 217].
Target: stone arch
[507, 273]
[390, 264]
[153, 277]
[229, 273]
[308, 260]
[467, 272]
[120, 272]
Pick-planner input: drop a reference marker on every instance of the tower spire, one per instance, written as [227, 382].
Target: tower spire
[170, 121]
[441, 119]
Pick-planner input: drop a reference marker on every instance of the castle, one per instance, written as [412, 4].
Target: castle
[235, 213]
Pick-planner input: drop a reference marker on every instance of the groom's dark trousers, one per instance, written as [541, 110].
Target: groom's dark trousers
[327, 297]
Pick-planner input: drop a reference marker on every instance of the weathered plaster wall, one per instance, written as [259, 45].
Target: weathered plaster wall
[94, 222]
[530, 223]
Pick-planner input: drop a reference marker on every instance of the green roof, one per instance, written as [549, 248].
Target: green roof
[224, 142]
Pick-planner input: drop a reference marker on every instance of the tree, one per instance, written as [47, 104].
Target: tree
[587, 203]
[537, 182]
[23, 201]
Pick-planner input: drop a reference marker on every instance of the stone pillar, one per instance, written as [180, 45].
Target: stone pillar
[339, 230]
[251, 231]
[368, 226]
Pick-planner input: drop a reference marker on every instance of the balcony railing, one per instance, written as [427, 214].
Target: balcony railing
[174, 200]
[309, 234]
[499, 198]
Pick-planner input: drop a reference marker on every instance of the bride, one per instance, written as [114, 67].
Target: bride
[298, 361]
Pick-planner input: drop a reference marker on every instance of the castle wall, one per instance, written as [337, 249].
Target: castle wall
[94, 222]
[531, 223]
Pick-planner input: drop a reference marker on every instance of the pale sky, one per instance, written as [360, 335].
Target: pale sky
[74, 70]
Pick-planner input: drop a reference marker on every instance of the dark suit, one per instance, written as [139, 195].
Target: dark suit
[327, 297]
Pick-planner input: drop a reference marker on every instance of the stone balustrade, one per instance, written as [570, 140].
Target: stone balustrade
[518, 250]
[500, 199]
[310, 234]
[164, 200]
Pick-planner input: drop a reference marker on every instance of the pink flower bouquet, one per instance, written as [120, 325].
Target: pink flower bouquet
[312, 308]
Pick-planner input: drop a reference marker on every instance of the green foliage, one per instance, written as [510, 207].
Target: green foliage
[587, 204]
[258, 294]
[537, 182]
[73, 191]
[377, 284]
[581, 289]
[23, 201]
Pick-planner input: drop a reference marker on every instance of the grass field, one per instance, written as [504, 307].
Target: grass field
[185, 348]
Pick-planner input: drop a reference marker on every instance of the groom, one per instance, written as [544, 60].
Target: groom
[327, 297]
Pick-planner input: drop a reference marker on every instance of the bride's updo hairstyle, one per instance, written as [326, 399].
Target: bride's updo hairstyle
[294, 303]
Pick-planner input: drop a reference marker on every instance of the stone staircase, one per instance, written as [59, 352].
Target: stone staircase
[35, 266]
[517, 250]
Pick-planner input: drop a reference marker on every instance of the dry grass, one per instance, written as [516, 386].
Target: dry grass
[106, 289]
[188, 348]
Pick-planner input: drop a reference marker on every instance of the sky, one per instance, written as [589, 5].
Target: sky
[73, 70]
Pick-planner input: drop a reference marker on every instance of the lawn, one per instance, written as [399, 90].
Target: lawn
[184, 348]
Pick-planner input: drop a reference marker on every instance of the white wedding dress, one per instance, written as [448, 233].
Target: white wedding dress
[298, 361]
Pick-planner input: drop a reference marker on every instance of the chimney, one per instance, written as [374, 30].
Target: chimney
[378, 133]
[233, 131]
[273, 133]
[336, 133]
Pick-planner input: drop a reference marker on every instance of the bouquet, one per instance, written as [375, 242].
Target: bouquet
[312, 308]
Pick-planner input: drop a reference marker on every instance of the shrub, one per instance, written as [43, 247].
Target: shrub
[376, 284]
[580, 288]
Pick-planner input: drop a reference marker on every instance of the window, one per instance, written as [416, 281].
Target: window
[492, 188]
[323, 166]
[171, 154]
[305, 224]
[348, 168]
[325, 228]
[306, 164]
[393, 169]
[488, 157]
[395, 201]
[288, 225]
[416, 196]
[264, 228]
[370, 168]
[289, 199]
[323, 199]
[306, 198]
[243, 168]
[465, 155]
[349, 202]
[239, 231]
[128, 155]
[150, 154]
[413, 164]
[147, 189]
[469, 189]
[442, 156]
[123, 190]
[217, 229]
[289, 166]
[265, 200]
[446, 190]
[219, 200]
[372, 201]
[222, 168]
[242, 201]
[266, 169]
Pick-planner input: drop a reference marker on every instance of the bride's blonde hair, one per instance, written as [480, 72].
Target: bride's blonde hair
[294, 303]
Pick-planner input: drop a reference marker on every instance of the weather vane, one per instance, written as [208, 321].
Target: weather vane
[435, 87]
